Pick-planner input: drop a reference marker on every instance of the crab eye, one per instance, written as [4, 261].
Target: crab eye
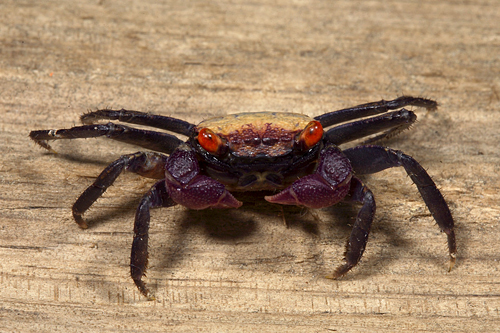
[210, 141]
[311, 135]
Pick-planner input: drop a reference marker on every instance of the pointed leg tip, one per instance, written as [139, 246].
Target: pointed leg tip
[49, 148]
[144, 290]
[339, 272]
[44, 144]
[452, 261]
[80, 221]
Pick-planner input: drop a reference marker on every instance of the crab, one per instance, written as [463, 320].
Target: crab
[286, 155]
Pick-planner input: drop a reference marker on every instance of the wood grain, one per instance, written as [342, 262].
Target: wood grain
[244, 270]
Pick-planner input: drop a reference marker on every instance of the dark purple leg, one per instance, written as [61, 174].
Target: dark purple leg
[356, 243]
[156, 197]
[333, 182]
[158, 141]
[147, 164]
[390, 124]
[183, 185]
[370, 109]
[371, 159]
[141, 118]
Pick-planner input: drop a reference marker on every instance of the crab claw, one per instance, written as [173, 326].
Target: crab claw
[200, 193]
[327, 186]
[187, 187]
[311, 191]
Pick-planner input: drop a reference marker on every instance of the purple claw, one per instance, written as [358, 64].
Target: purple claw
[327, 186]
[200, 193]
[187, 187]
[311, 191]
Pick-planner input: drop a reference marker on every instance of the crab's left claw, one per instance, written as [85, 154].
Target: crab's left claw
[311, 191]
[327, 186]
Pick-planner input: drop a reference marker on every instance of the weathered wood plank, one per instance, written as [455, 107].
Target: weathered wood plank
[234, 271]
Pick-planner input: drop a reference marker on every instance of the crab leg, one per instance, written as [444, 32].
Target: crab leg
[359, 235]
[372, 159]
[390, 124]
[370, 109]
[333, 182]
[183, 185]
[156, 197]
[158, 141]
[141, 118]
[146, 164]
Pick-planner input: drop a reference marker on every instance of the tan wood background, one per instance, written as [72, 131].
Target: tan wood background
[245, 270]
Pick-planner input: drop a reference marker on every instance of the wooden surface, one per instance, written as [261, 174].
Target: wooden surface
[244, 270]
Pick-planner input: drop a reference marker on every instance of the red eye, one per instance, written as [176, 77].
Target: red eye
[210, 141]
[311, 135]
